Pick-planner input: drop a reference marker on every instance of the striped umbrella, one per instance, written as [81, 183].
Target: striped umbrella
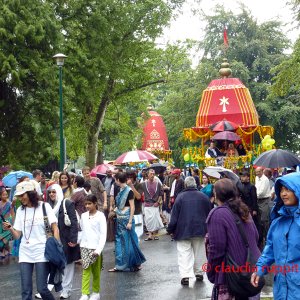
[135, 156]
[224, 125]
[226, 135]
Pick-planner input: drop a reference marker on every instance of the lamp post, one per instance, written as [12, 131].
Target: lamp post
[60, 58]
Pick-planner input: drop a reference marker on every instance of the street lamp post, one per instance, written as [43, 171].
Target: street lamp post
[60, 62]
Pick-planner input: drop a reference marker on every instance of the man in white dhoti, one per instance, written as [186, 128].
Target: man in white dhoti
[152, 188]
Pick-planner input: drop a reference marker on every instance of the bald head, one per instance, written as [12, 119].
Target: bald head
[259, 172]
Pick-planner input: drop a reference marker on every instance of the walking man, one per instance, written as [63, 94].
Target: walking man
[188, 228]
[152, 189]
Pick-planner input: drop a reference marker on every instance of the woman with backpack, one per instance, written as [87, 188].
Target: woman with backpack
[224, 238]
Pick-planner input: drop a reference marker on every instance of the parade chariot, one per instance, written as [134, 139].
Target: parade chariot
[227, 102]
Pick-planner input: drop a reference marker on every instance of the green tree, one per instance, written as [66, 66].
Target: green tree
[112, 58]
[281, 109]
[29, 34]
[255, 48]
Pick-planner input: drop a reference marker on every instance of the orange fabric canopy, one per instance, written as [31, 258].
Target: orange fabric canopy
[227, 98]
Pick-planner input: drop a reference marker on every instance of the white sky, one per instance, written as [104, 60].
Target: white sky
[189, 26]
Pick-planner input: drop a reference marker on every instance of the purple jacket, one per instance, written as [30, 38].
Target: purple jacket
[223, 237]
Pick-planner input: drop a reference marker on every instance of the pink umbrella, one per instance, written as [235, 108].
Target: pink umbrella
[101, 169]
[226, 135]
[135, 156]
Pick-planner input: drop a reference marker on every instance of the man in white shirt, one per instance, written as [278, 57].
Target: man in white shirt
[37, 176]
[263, 190]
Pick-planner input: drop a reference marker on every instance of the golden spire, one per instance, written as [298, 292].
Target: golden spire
[225, 71]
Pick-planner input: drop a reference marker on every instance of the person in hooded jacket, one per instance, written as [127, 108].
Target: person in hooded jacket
[282, 245]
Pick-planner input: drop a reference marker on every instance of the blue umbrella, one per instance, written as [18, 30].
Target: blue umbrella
[11, 179]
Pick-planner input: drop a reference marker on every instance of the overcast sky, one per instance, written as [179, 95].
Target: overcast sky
[189, 26]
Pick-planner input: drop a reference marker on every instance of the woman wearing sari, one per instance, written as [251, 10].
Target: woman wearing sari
[207, 188]
[128, 254]
[5, 212]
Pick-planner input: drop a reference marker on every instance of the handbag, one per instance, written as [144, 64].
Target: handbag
[67, 220]
[48, 229]
[238, 281]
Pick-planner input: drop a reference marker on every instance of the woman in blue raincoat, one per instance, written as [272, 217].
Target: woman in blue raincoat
[282, 247]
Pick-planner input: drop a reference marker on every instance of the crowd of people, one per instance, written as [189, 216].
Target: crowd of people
[198, 212]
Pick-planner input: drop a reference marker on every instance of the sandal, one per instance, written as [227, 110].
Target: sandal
[148, 239]
[114, 270]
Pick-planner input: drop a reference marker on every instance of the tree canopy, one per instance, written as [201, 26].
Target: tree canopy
[114, 70]
[112, 57]
[29, 33]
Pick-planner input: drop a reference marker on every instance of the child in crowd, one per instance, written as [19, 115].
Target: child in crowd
[92, 241]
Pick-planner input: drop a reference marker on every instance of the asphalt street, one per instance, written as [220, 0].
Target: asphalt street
[159, 278]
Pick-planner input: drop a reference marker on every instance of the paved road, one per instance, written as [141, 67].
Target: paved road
[159, 278]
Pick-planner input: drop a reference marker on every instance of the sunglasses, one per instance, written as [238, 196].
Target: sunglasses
[52, 192]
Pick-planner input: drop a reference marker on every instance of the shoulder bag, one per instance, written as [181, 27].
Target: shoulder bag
[67, 220]
[48, 229]
[238, 281]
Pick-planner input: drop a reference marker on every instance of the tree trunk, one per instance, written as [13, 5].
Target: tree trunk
[99, 157]
[94, 130]
[93, 134]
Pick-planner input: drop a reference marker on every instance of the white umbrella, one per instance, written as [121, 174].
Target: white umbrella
[219, 172]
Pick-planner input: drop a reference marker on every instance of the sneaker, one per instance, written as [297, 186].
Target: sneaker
[38, 295]
[95, 296]
[84, 297]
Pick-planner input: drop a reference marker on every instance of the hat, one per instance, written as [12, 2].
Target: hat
[176, 171]
[23, 187]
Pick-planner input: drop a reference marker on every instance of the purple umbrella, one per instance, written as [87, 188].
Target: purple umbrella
[226, 135]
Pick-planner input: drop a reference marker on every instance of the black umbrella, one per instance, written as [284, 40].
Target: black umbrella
[158, 168]
[277, 158]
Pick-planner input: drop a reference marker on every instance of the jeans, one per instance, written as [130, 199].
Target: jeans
[41, 272]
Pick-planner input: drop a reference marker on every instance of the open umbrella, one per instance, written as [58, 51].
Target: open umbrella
[11, 179]
[277, 158]
[220, 172]
[158, 168]
[101, 169]
[226, 135]
[224, 125]
[134, 156]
